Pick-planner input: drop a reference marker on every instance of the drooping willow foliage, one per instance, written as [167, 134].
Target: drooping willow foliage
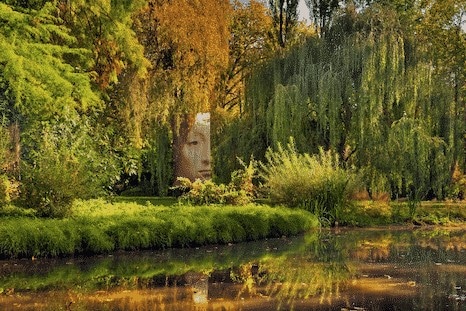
[370, 98]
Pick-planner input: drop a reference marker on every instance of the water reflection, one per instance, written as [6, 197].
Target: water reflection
[327, 270]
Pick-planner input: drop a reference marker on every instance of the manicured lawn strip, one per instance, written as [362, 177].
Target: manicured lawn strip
[97, 227]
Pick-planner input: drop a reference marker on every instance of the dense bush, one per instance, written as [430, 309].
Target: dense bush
[64, 168]
[52, 183]
[316, 183]
[458, 187]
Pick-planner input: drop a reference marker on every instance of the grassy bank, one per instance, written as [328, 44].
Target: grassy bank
[374, 213]
[96, 226]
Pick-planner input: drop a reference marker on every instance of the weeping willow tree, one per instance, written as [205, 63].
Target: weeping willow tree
[371, 98]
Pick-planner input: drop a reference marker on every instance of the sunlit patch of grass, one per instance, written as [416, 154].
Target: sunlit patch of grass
[366, 213]
[157, 201]
[96, 226]
[104, 208]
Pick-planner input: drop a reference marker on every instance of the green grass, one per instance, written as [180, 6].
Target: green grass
[373, 213]
[96, 226]
[157, 201]
[99, 226]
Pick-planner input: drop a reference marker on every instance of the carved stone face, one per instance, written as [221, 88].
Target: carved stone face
[195, 150]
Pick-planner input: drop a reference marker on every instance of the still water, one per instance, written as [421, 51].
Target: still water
[347, 269]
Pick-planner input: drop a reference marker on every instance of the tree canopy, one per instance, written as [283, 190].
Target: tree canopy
[370, 91]
[100, 89]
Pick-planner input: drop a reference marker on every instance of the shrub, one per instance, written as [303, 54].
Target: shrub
[316, 183]
[9, 190]
[239, 191]
[202, 192]
[50, 186]
[61, 167]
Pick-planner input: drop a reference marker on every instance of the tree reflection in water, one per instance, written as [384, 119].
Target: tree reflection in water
[327, 270]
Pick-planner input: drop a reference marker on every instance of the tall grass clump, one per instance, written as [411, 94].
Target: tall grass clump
[316, 183]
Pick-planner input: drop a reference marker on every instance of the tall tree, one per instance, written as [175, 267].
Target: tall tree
[249, 45]
[187, 43]
[441, 37]
[119, 69]
[372, 96]
[47, 93]
[285, 19]
[36, 77]
[321, 13]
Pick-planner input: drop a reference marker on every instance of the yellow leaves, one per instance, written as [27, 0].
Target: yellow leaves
[197, 30]
[187, 43]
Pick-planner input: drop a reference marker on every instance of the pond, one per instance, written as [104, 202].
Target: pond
[346, 269]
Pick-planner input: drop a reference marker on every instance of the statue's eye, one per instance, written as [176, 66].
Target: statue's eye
[193, 143]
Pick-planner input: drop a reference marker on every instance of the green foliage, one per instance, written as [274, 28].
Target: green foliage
[5, 145]
[15, 211]
[416, 152]
[458, 187]
[157, 201]
[9, 190]
[50, 186]
[104, 27]
[368, 89]
[430, 213]
[62, 169]
[34, 72]
[316, 183]
[98, 227]
[369, 213]
[370, 95]
[374, 213]
[202, 192]
[239, 191]
[30, 237]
